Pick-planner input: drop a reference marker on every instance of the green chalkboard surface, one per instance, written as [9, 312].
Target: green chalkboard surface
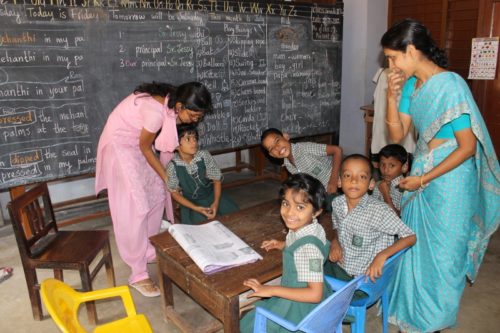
[65, 64]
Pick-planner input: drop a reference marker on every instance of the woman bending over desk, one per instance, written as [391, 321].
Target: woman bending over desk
[132, 172]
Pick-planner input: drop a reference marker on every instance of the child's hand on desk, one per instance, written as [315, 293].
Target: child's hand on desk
[205, 211]
[213, 210]
[260, 290]
[272, 244]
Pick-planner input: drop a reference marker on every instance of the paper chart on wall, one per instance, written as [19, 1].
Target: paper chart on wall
[484, 58]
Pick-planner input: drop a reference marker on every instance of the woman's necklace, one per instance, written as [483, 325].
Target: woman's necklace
[419, 83]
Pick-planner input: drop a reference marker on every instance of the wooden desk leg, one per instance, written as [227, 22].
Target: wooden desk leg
[165, 283]
[232, 315]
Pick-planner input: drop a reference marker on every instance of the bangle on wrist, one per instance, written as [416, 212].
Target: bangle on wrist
[422, 185]
[393, 123]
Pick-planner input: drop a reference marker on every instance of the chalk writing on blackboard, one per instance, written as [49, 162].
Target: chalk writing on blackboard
[65, 64]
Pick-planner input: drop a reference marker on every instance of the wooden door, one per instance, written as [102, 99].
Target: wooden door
[487, 92]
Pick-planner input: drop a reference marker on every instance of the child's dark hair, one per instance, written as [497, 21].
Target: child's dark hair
[358, 157]
[394, 150]
[185, 129]
[270, 131]
[314, 191]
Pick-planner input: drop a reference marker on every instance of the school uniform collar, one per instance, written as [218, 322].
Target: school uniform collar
[306, 230]
[363, 202]
[178, 160]
[395, 181]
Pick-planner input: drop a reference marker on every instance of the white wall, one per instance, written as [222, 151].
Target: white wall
[364, 23]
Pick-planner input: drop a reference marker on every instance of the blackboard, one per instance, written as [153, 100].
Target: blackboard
[65, 64]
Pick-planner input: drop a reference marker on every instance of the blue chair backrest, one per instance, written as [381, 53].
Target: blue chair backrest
[329, 314]
[325, 318]
[377, 288]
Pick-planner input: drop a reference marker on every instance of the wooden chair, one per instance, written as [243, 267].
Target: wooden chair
[43, 246]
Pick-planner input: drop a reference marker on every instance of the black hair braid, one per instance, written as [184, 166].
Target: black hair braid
[438, 56]
[156, 89]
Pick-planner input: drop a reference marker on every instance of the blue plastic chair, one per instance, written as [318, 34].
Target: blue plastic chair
[326, 317]
[375, 291]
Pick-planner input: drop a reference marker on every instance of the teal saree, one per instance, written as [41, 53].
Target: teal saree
[453, 217]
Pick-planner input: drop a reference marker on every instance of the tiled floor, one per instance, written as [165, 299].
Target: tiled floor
[480, 310]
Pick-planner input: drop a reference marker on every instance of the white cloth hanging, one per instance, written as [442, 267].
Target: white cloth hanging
[380, 134]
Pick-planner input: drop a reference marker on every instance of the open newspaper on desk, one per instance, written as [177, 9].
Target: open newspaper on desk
[212, 246]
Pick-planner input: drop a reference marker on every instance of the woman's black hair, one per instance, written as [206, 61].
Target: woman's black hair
[192, 95]
[394, 150]
[185, 129]
[156, 89]
[412, 32]
[314, 191]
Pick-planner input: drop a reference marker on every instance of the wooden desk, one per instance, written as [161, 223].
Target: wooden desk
[219, 293]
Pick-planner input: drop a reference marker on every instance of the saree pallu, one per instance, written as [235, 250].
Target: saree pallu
[453, 217]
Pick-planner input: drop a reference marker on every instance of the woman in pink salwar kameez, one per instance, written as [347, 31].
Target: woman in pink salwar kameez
[132, 172]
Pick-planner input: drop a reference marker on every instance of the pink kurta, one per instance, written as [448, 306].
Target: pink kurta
[136, 192]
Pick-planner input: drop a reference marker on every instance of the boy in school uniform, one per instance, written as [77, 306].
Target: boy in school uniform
[320, 161]
[364, 227]
[194, 180]
[393, 164]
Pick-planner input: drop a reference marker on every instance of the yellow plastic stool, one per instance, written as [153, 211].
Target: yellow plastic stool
[62, 303]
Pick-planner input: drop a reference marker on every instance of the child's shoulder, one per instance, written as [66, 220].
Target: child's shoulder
[308, 143]
[374, 203]
[203, 153]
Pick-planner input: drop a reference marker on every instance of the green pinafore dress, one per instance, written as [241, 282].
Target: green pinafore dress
[291, 310]
[199, 189]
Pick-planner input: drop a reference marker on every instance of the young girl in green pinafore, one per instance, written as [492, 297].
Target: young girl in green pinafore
[304, 253]
[194, 180]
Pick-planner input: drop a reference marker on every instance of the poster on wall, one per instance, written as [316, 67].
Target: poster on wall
[484, 58]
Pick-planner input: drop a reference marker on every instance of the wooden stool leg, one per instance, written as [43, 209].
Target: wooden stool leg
[110, 271]
[58, 274]
[34, 293]
[87, 286]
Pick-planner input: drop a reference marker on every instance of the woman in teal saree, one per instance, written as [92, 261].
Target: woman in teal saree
[452, 194]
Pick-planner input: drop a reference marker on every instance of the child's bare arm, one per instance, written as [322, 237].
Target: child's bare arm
[374, 271]
[272, 244]
[178, 197]
[217, 193]
[335, 254]
[385, 190]
[310, 294]
[336, 153]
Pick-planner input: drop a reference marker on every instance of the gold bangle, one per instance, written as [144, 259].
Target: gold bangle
[393, 123]
[422, 185]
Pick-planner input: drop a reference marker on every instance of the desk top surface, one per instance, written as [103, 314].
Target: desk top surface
[253, 225]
